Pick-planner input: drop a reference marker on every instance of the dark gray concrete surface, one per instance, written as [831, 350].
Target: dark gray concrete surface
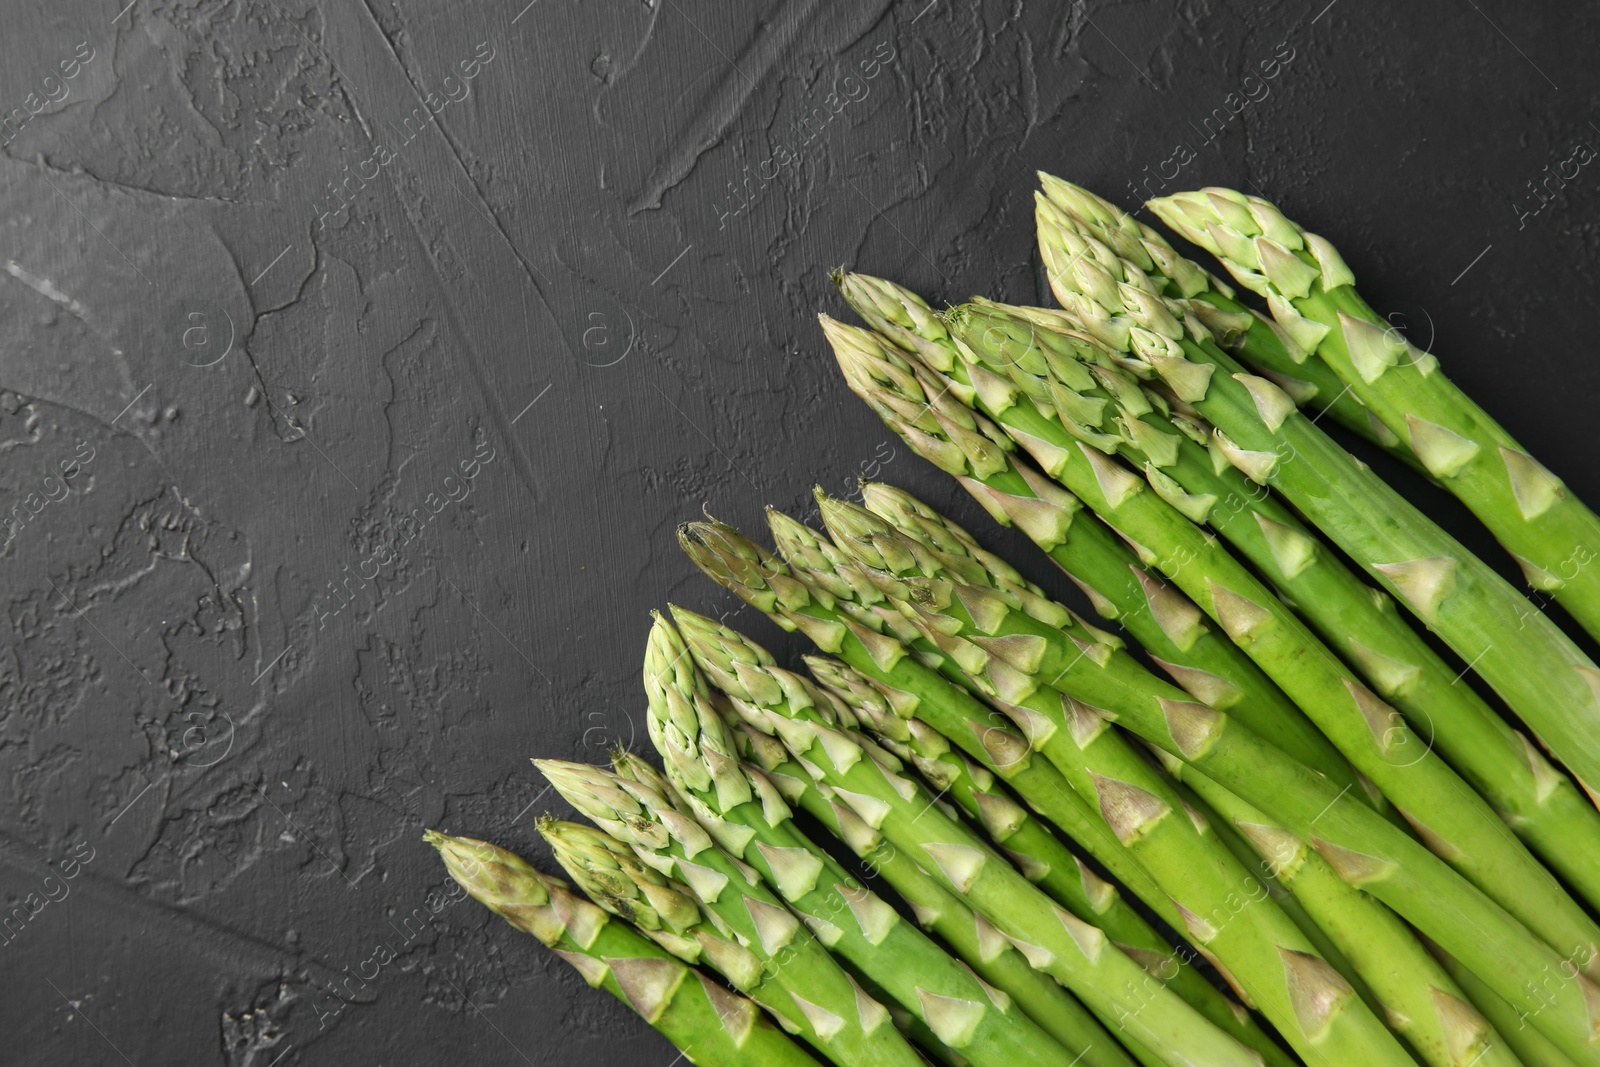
[281, 273]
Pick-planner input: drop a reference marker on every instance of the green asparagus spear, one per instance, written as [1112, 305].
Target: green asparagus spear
[1540, 803]
[1036, 852]
[1203, 662]
[1363, 848]
[1311, 293]
[761, 580]
[938, 910]
[1376, 739]
[1535, 668]
[867, 779]
[1254, 337]
[682, 883]
[750, 820]
[1383, 952]
[711, 1026]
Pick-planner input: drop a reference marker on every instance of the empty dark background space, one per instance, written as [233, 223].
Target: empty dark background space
[587, 274]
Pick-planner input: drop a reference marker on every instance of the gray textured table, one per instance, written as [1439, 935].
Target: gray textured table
[359, 358]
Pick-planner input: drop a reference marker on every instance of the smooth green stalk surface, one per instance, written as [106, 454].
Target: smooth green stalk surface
[939, 910]
[1312, 295]
[1542, 805]
[749, 818]
[1363, 848]
[869, 780]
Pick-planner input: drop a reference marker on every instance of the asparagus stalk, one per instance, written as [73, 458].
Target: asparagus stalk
[744, 930]
[1363, 848]
[1166, 623]
[1311, 293]
[938, 910]
[1254, 337]
[1405, 978]
[1036, 852]
[1457, 821]
[1532, 1047]
[1422, 1002]
[821, 563]
[912, 687]
[1539, 802]
[761, 580]
[868, 780]
[1183, 854]
[748, 817]
[1487, 622]
[710, 1026]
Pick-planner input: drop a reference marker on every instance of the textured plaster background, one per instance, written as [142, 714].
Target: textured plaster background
[234, 687]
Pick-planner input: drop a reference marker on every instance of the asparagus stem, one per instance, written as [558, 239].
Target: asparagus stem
[761, 580]
[1488, 623]
[1254, 337]
[938, 910]
[867, 779]
[1540, 803]
[749, 818]
[710, 1025]
[924, 394]
[1422, 1003]
[699, 896]
[1036, 852]
[1532, 1047]
[1461, 826]
[1363, 848]
[1311, 293]
[919, 579]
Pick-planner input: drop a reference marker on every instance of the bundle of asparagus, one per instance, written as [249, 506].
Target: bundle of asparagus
[984, 831]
